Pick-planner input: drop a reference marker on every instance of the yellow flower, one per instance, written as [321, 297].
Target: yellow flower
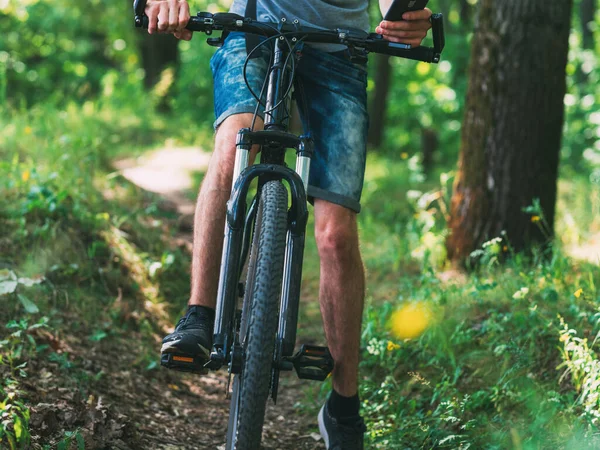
[578, 293]
[392, 346]
[28, 130]
[25, 175]
[173, 386]
[404, 155]
[505, 248]
[535, 219]
[410, 321]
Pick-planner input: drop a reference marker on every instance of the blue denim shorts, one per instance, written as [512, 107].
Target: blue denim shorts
[331, 92]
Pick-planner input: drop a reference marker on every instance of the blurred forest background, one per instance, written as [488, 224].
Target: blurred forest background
[483, 285]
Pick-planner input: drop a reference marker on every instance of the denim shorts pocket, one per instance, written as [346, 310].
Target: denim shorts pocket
[340, 62]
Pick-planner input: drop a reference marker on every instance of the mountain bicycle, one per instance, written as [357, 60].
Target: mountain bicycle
[256, 320]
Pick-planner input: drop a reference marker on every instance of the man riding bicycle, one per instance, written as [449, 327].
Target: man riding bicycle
[331, 96]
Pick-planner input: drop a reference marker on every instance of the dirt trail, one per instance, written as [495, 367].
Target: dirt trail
[128, 407]
[588, 251]
[173, 410]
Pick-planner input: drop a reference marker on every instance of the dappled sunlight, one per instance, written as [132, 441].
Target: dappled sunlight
[588, 251]
[166, 170]
[99, 173]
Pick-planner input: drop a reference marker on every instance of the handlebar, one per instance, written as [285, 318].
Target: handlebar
[359, 42]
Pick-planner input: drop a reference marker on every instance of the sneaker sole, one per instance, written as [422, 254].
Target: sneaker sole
[322, 428]
[170, 347]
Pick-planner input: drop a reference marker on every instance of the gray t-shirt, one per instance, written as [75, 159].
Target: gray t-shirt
[329, 14]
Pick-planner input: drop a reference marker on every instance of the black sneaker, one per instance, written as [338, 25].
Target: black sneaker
[188, 347]
[338, 435]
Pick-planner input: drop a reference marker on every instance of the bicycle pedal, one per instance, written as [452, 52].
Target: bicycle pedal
[183, 363]
[312, 362]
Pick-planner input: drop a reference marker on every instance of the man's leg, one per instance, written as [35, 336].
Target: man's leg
[194, 331]
[209, 219]
[342, 290]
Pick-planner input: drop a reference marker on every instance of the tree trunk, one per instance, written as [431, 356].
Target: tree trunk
[429, 144]
[512, 125]
[466, 12]
[587, 9]
[159, 51]
[378, 107]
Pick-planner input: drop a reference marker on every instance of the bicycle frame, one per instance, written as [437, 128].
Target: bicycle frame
[274, 140]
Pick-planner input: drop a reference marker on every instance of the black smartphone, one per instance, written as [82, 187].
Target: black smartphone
[399, 7]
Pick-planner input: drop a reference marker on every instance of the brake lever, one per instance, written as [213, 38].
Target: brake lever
[437, 30]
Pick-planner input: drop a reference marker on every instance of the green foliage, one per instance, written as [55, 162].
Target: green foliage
[583, 366]
[70, 438]
[488, 372]
[484, 374]
[70, 255]
[63, 49]
[15, 349]
[71, 51]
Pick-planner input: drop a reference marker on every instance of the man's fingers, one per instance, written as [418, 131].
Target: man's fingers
[184, 16]
[152, 13]
[173, 16]
[186, 35]
[163, 18]
[405, 25]
[403, 34]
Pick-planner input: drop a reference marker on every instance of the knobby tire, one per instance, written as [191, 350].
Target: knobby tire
[259, 319]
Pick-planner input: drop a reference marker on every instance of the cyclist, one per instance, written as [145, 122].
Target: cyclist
[332, 104]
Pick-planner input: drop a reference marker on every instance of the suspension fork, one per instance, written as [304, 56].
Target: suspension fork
[294, 255]
[232, 249]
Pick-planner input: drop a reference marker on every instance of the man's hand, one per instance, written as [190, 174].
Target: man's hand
[412, 30]
[169, 16]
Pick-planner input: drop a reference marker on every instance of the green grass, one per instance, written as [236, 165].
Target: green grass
[486, 373]
[491, 371]
[503, 364]
[75, 260]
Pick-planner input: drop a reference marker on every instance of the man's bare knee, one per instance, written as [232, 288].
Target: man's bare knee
[220, 169]
[227, 134]
[336, 231]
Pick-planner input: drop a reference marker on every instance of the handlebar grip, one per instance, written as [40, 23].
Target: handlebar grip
[141, 19]
[425, 54]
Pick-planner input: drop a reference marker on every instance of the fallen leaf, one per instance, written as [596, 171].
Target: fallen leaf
[6, 274]
[28, 282]
[316, 436]
[29, 306]
[7, 287]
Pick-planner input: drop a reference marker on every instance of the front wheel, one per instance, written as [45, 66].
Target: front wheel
[259, 320]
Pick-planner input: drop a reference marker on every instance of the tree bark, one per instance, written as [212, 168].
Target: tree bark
[466, 12]
[587, 9]
[429, 144]
[378, 106]
[512, 125]
[159, 51]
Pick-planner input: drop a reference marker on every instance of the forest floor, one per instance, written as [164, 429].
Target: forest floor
[136, 409]
[128, 407]
[87, 371]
